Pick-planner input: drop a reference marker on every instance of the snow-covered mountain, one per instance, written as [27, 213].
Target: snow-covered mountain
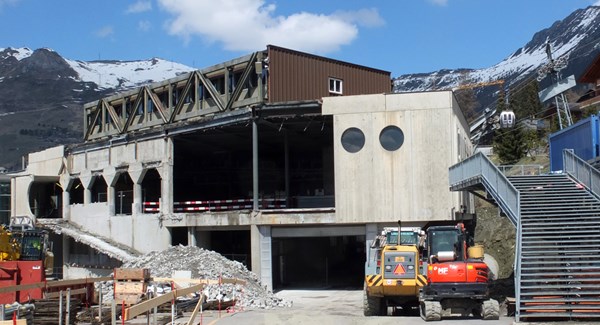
[126, 74]
[113, 74]
[42, 94]
[576, 37]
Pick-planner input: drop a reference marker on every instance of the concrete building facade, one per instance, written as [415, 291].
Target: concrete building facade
[294, 188]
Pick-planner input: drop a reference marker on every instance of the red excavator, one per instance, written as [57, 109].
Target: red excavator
[457, 277]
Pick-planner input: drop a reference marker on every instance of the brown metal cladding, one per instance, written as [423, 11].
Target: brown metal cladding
[295, 76]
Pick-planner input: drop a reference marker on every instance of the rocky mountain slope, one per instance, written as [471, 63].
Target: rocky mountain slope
[42, 93]
[577, 37]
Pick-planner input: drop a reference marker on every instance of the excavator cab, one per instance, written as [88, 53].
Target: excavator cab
[446, 243]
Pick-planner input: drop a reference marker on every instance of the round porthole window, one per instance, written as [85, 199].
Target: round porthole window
[391, 138]
[353, 139]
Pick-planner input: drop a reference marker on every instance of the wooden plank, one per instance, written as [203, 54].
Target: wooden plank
[53, 284]
[195, 312]
[130, 287]
[127, 299]
[131, 274]
[142, 307]
[66, 283]
[79, 291]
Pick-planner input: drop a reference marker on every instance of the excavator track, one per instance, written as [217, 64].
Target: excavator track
[431, 310]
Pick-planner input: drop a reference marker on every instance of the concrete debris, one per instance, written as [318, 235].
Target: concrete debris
[207, 264]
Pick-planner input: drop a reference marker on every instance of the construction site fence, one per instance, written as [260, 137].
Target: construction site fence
[218, 205]
[581, 171]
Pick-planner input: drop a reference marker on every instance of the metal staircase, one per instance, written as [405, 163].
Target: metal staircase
[560, 248]
[557, 254]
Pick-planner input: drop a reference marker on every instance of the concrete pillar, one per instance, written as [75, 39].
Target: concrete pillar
[261, 251]
[166, 174]
[86, 179]
[137, 172]
[110, 177]
[192, 236]
[65, 182]
[65, 251]
[255, 165]
[371, 231]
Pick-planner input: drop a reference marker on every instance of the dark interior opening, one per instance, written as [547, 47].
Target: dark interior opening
[216, 164]
[318, 262]
[76, 192]
[234, 245]
[99, 189]
[45, 199]
[179, 236]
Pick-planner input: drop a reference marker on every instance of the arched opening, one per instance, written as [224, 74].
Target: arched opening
[99, 189]
[151, 191]
[76, 192]
[45, 199]
[123, 194]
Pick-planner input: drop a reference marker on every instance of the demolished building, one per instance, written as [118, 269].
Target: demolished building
[285, 161]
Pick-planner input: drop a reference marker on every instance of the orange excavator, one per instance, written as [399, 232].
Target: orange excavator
[457, 277]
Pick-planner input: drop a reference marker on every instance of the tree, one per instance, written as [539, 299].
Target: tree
[468, 103]
[526, 102]
[509, 143]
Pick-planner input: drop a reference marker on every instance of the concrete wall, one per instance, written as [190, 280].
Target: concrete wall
[45, 166]
[141, 232]
[411, 183]
[48, 162]
[118, 155]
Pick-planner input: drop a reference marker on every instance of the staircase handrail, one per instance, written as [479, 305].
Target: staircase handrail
[581, 171]
[479, 167]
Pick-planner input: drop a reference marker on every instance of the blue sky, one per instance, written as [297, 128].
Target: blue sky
[400, 36]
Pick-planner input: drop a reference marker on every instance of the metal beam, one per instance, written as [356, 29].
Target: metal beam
[241, 82]
[132, 110]
[157, 103]
[213, 92]
[186, 89]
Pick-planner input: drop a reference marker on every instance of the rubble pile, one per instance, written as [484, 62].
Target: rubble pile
[207, 264]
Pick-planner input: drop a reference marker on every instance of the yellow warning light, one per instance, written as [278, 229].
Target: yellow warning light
[469, 267]
[430, 268]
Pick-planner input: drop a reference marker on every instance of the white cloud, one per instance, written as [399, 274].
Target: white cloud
[249, 25]
[144, 25]
[139, 6]
[597, 3]
[439, 2]
[365, 17]
[105, 31]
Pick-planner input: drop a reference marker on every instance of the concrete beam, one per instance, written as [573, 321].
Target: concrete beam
[247, 218]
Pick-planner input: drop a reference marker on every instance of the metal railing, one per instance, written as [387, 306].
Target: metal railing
[581, 171]
[521, 170]
[480, 167]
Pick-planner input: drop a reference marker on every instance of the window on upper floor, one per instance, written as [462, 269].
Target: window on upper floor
[335, 86]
